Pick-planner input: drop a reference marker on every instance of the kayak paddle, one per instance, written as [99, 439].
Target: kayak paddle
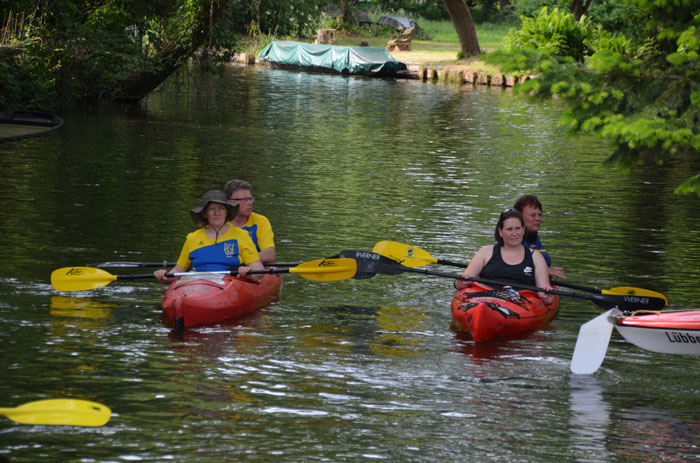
[411, 256]
[364, 267]
[319, 270]
[163, 264]
[592, 344]
[65, 412]
[166, 264]
[343, 254]
[84, 278]
[619, 291]
[384, 265]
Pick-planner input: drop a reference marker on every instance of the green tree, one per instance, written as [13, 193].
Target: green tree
[640, 91]
[580, 7]
[464, 25]
[189, 30]
[81, 50]
[96, 50]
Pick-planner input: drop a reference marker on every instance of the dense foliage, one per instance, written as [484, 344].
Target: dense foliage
[95, 50]
[83, 50]
[556, 33]
[640, 90]
[611, 15]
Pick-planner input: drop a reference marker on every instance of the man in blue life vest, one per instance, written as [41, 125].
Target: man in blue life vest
[240, 193]
[531, 209]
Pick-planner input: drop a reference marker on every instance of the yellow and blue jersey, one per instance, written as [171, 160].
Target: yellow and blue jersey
[260, 231]
[202, 254]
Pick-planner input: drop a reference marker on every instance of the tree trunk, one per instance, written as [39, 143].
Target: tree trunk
[579, 8]
[347, 12]
[167, 60]
[464, 25]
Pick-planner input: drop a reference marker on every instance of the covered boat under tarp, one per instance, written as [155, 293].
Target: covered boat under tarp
[331, 58]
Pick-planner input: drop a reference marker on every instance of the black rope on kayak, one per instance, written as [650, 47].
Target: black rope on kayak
[506, 312]
[506, 293]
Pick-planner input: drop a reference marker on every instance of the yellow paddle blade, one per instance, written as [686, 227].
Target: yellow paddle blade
[80, 278]
[65, 412]
[409, 256]
[327, 269]
[637, 292]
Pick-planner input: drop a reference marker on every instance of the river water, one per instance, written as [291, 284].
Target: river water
[357, 370]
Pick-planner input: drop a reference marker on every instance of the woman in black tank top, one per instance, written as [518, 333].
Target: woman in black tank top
[509, 261]
[497, 269]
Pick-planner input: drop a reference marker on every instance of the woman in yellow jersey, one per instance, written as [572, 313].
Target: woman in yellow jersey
[240, 193]
[217, 245]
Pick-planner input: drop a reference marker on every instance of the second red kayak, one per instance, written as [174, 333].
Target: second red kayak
[664, 332]
[486, 314]
[202, 300]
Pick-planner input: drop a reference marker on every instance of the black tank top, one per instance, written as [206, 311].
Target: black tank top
[496, 269]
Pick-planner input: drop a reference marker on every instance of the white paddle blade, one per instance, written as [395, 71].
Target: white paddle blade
[592, 344]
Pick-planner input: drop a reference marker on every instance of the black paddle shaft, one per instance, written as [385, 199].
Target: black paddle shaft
[384, 265]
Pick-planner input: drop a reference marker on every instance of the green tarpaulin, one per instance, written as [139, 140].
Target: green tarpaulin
[345, 60]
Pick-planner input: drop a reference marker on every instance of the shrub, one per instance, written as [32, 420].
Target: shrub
[554, 33]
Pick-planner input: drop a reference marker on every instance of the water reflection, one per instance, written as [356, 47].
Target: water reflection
[590, 419]
[483, 352]
[526, 345]
[62, 306]
[648, 434]
[603, 432]
[399, 331]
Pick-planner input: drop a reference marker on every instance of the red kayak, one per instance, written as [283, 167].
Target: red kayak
[206, 299]
[486, 314]
[664, 332]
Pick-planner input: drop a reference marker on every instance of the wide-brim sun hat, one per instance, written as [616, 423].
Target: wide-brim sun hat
[213, 196]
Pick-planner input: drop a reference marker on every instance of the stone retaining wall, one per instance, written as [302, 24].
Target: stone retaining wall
[460, 74]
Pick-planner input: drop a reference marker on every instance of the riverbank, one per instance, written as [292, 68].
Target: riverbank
[423, 67]
[429, 60]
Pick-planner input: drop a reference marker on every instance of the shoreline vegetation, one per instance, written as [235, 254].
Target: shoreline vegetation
[29, 83]
[626, 71]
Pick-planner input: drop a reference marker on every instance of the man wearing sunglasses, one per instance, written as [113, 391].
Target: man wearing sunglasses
[240, 192]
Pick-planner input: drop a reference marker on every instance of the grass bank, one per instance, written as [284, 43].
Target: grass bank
[442, 48]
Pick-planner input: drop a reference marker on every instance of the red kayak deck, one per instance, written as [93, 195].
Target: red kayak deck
[486, 314]
[681, 320]
[664, 332]
[195, 301]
